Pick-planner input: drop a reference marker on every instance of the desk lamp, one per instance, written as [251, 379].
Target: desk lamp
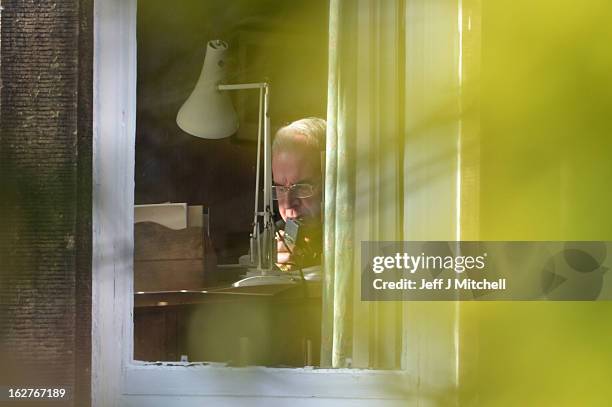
[208, 113]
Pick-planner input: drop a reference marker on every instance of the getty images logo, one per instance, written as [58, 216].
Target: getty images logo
[576, 272]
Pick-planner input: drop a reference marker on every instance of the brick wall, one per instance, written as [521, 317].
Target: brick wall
[45, 194]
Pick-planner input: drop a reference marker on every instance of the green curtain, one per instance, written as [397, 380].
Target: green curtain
[338, 240]
[364, 177]
[391, 174]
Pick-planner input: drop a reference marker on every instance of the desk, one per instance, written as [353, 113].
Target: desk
[271, 325]
[185, 304]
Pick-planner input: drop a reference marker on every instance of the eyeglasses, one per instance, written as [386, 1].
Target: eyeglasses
[297, 190]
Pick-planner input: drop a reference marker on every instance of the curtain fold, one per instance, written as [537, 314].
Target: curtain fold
[364, 173]
[339, 243]
[391, 174]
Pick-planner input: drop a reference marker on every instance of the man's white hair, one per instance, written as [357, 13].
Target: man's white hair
[303, 134]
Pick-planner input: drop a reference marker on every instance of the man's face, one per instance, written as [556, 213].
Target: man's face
[290, 167]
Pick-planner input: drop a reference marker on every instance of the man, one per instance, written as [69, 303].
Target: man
[297, 170]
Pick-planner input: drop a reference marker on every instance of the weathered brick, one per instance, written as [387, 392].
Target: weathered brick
[45, 202]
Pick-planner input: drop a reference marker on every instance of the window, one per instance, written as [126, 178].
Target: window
[119, 380]
[213, 321]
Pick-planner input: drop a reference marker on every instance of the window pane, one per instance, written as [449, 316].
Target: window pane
[195, 197]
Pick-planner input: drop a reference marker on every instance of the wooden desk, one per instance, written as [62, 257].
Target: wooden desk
[272, 325]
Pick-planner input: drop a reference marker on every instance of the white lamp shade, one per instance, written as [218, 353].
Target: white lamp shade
[208, 112]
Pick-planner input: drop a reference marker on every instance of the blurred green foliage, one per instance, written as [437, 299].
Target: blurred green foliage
[546, 145]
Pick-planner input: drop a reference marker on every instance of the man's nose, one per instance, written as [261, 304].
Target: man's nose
[292, 204]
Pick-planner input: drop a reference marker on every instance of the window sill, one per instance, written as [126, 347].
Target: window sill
[258, 381]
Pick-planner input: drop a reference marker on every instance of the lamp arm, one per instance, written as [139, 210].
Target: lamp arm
[269, 232]
[254, 241]
[239, 86]
[266, 254]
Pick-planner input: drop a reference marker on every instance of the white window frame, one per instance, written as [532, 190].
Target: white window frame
[118, 380]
